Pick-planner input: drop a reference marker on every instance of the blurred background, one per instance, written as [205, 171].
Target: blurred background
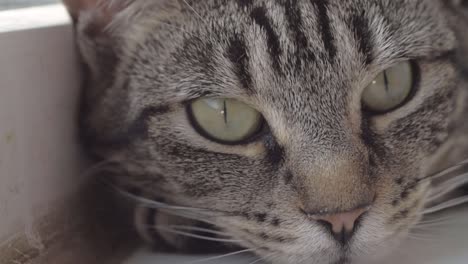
[11, 4]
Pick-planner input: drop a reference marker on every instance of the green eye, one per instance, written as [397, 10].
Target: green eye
[390, 89]
[225, 120]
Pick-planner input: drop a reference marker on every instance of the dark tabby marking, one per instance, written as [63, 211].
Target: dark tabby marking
[364, 36]
[303, 53]
[275, 153]
[304, 66]
[237, 53]
[288, 177]
[259, 15]
[245, 3]
[261, 217]
[276, 222]
[324, 24]
[399, 216]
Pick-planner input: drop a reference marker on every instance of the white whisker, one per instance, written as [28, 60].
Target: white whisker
[434, 225]
[427, 230]
[446, 205]
[256, 261]
[421, 238]
[97, 167]
[263, 258]
[195, 217]
[159, 205]
[195, 12]
[429, 239]
[198, 214]
[199, 229]
[448, 186]
[435, 220]
[169, 230]
[446, 171]
[222, 256]
[185, 214]
[181, 29]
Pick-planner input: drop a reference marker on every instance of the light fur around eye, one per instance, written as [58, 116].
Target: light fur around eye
[390, 89]
[224, 120]
[297, 176]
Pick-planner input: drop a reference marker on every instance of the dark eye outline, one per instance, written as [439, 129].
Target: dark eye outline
[256, 136]
[416, 72]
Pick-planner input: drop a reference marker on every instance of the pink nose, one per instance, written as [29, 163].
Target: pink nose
[341, 225]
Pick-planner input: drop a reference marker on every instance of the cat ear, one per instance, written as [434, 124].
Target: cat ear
[96, 14]
[459, 2]
[459, 6]
[458, 18]
[77, 6]
[104, 11]
[102, 25]
[106, 33]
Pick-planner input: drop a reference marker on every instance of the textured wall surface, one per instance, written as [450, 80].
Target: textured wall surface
[39, 154]
[51, 212]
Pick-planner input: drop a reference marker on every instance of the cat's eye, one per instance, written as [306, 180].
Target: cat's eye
[225, 120]
[391, 89]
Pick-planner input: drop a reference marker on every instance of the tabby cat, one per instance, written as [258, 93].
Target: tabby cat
[305, 131]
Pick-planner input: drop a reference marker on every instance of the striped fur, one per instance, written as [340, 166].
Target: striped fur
[303, 64]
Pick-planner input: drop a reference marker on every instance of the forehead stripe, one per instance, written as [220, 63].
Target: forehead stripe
[237, 54]
[363, 34]
[324, 27]
[259, 16]
[294, 17]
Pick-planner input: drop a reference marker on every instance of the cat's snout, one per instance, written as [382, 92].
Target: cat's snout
[341, 225]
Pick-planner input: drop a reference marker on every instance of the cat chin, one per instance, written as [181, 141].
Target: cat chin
[376, 253]
[322, 258]
[364, 249]
[380, 252]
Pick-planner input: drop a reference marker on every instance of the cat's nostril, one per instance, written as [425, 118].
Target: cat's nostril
[343, 237]
[341, 225]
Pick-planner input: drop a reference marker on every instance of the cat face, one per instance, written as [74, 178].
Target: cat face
[320, 176]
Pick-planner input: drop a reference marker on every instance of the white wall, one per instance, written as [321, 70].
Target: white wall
[39, 86]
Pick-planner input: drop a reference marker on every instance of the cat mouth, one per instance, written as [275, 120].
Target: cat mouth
[344, 255]
[343, 260]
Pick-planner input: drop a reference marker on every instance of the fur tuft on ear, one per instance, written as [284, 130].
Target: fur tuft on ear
[460, 6]
[103, 25]
[458, 17]
[97, 13]
[463, 3]
[76, 6]
[102, 14]
[107, 32]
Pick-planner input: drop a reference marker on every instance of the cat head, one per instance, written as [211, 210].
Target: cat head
[304, 129]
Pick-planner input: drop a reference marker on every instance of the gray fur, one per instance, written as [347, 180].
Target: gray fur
[320, 151]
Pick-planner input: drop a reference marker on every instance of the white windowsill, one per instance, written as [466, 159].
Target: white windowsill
[34, 17]
[40, 161]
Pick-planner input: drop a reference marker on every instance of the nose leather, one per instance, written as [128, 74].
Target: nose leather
[341, 225]
[342, 221]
